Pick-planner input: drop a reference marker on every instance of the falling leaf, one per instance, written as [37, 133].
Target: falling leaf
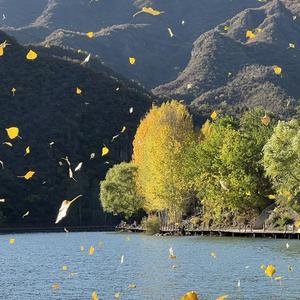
[64, 209]
[270, 270]
[190, 296]
[149, 10]
[250, 34]
[86, 60]
[105, 151]
[171, 253]
[27, 150]
[12, 132]
[222, 297]
[28, 175]
[259, 30]
[95, 296]
[91, 250]
[277, 70]
[214, 115]
[291, 45]
[171, 32]
[266, 121]
[132, 286]
[12, 241]
[78, 91]
[31, 55]
[90, 34]
[26, 214]
[8, 144]
[13, 90]
[79, 166]
[55, 286]
[132, 60]
[213, 254]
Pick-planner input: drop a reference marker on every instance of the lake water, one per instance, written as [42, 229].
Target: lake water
[35, 262]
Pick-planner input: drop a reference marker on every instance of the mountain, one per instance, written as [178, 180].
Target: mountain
[229, 72]
[118, 35]
[56, 122]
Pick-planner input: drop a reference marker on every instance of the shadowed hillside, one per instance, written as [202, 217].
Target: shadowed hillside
[56, 122]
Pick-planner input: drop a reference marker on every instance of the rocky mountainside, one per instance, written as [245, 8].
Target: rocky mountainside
[118, 35]
[228, 71]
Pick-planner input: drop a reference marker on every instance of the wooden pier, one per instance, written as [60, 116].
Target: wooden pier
[240, 231]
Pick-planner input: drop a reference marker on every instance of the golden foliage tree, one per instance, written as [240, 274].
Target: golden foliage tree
[158, 148]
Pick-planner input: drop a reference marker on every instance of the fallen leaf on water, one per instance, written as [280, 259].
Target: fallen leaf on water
[90, 34]
[78, 91]
[55, 286]
[105, 151]
[190, 296]
[250, 34]
[26, 214]
[28, 175]
[149, 10]
[270, 270]
[132, 286]
[213, 254]
[214, 115]
[222, 297]
[27, 151]
[132, 60]
[117, 295]
[277, 70]
[65, 268]
[12, 241]
[8, 144]
[12, 132]
[91, 250]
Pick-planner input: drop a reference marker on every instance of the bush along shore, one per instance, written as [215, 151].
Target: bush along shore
[238, 174]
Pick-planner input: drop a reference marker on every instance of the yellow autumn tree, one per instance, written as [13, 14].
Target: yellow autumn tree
[158, 149]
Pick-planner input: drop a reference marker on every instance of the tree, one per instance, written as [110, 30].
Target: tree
[225, 169]
[158, 148]
[118, 192]
[282, 162]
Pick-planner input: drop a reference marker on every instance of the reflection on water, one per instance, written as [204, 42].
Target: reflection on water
[34, 263]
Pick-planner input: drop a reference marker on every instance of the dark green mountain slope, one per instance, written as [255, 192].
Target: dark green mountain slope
[228, 71]
[47, 109]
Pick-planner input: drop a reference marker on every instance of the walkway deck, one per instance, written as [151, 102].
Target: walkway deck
[245, 231]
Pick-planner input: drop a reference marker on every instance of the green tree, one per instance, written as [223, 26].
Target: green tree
[225, 169]
[282, 162]
[118, 192]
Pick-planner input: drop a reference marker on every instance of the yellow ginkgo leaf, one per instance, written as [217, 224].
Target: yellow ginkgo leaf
[95, 296]
[78, 91]
[31, 55]
[105, 151]
[266, 120]
[149, 10]
[55, 286]
[250, 34]
[270, 270]
[214, 115]
[28, 175]
[277, 70]
[222, 297]
[190, 296]
[27, 151]
[90, 34]
[91, 250]
[132, 60]
[12, 241]
[12, 132]
[1, 51]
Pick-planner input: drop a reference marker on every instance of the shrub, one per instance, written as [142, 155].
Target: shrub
[151, 224]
